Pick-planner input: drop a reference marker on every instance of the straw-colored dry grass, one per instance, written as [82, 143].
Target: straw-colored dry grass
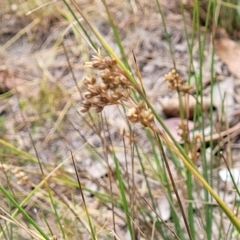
[42, 77]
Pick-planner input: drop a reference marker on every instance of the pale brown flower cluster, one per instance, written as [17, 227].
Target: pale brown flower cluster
[183, 131]
[141, 114]
[195, 146]
[176, 82]
[113, 87]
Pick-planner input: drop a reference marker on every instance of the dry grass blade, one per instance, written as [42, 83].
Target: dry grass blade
[165, 224]
[57, 123]
[19, 34]
[41, 6]
[106, 150]
[12, 220]
[139, 74]
[91, 232]
[174, 187]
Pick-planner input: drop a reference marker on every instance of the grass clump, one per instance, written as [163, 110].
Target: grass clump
[124, 174]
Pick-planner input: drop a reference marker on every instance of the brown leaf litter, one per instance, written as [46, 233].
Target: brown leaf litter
[229, 53]
[171, 107]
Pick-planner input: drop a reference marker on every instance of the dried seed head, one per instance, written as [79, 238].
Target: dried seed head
[114, 86]
[93, 89]
[88, 95]
[110, 62]
[147, 114]
[147, 117]
[123, 80]
[90, 81]
[126, 93]
[103, 86]
[132, 115]
[131, 112]
[116, 81]
[183, 131]
[133, 119]
[85, 106]
[115, 97]
[101, 63]
[106, 76]
[141, 105]
[175, 82]
[140, 114]
[110, 88]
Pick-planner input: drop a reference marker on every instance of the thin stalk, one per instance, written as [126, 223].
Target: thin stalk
[213, 5]
[162, 174]
[169, 228]
[190, 46]
[199, 84]
[18, 152]
[116, 36]
[190, 205]
[174, 188]
[21, 210]
[47, 187]
[105, 149]
[81, 26]
[166, 33]
[160, 168]
[3, 231]
[230, 173]
[145, 176]
[84, 202]
[174, 211]
[132, 191]
[123, 195]
[46, 222]
[159, 226]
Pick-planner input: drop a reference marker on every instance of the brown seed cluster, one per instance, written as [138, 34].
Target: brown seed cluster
[113, 87]
[109, 89]
[196, 144]
[183, 131]
[176, 82]
[140, 114]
